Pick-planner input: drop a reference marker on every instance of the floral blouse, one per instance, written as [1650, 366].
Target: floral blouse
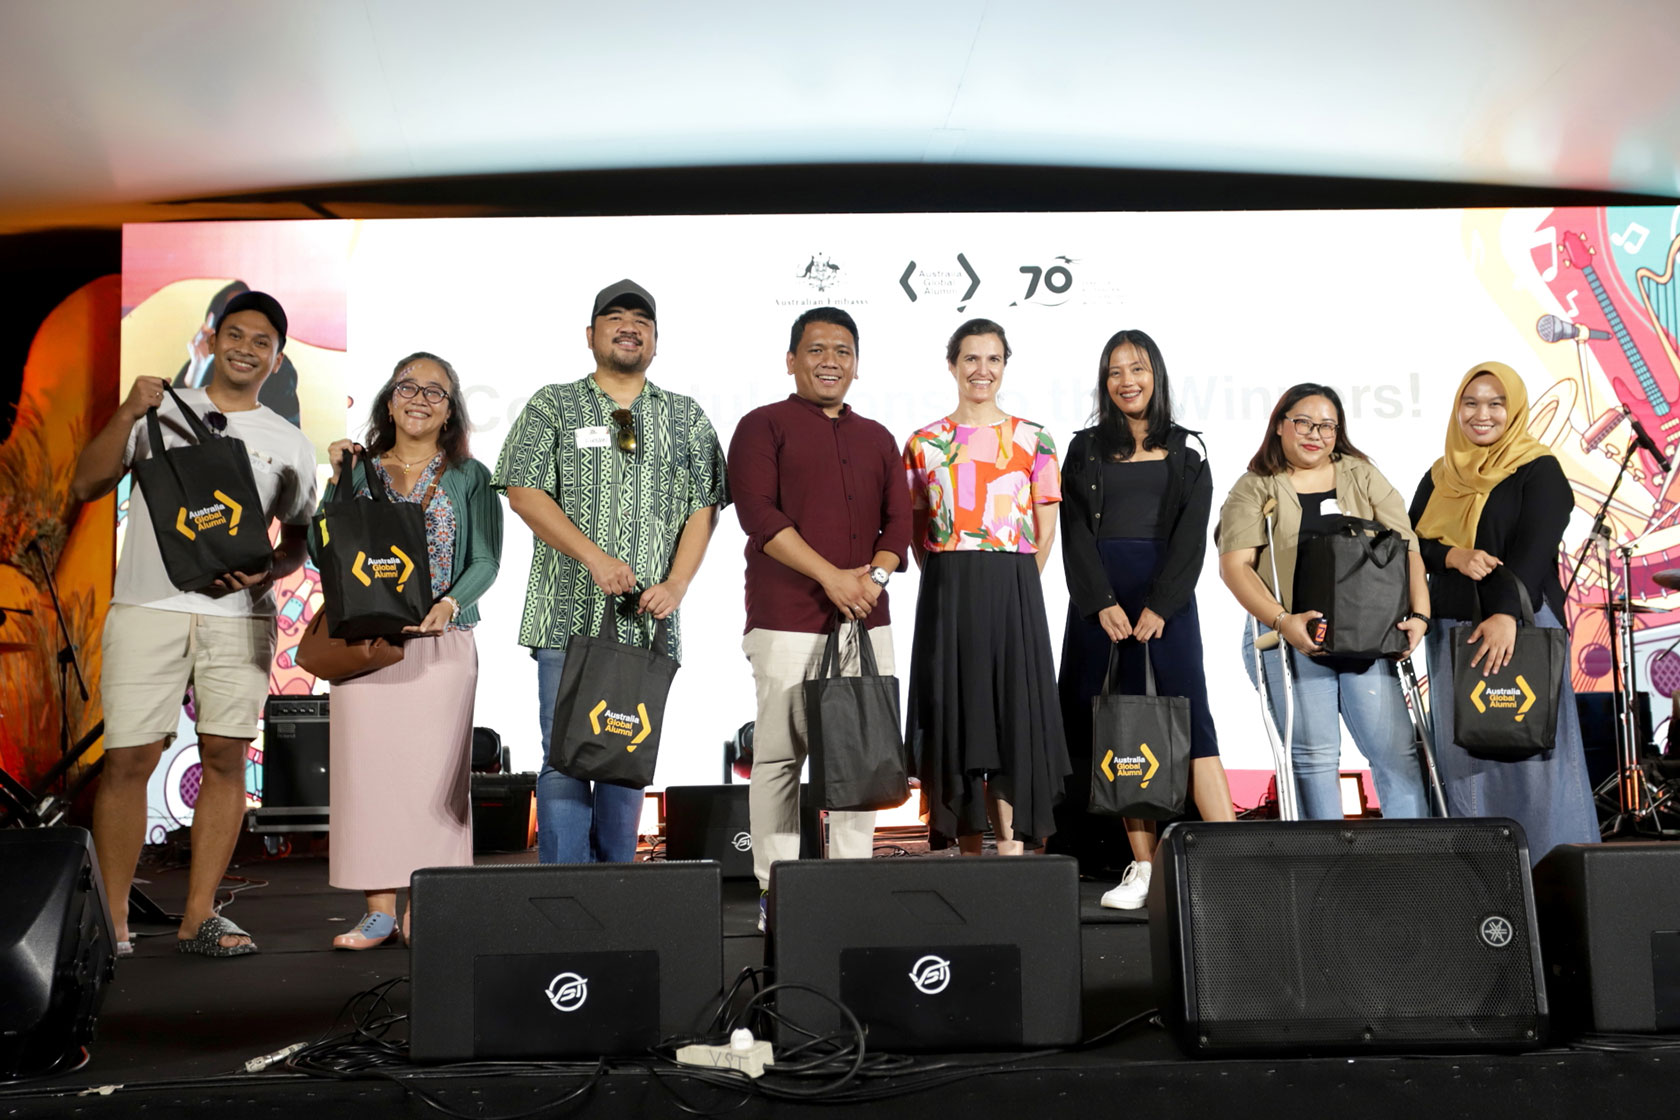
[440, 524]
[979, 485]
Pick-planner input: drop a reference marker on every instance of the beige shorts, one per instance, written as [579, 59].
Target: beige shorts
[150, 658]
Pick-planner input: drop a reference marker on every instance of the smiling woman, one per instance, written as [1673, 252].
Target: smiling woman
[400, 798]
[984, 730]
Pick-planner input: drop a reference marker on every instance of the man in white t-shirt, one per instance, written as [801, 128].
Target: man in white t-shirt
[158, 638]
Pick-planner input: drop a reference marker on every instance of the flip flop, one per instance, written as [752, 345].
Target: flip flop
[207, 942]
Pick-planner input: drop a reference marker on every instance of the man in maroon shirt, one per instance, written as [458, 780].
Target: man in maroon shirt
[821, 495]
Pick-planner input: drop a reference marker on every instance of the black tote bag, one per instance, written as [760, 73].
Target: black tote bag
[1512, 713]
[1357, 576]
[610, 708]
[853, 732]
[376, 573]
[1140, 749]
[204, 504]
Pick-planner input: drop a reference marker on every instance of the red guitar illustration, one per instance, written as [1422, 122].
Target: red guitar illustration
[1650, 402]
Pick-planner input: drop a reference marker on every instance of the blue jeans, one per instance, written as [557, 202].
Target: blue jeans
[1375, 712]
[578, 821]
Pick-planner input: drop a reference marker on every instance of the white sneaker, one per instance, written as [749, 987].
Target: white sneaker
[1133, 889]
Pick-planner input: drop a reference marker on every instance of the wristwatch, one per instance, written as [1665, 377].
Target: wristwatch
[1425, 619]
[879, 575]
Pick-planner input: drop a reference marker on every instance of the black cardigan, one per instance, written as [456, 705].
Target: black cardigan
[1185, 505]
[1522, 524]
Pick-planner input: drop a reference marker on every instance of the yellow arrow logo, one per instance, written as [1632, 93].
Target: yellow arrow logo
[356, 570]
[233, 517]
[1107, 772]
[1528, 698]
[323, 532]
[1476, 696]
[641, 710]
[595, 716]
[181, 525]
[408, 566]
[1154, 765]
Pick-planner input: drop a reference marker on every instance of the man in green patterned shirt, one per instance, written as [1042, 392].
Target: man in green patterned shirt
[621, 483]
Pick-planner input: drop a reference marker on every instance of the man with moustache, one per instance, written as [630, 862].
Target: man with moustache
[620, 481]
[820, 493]
[158, 639]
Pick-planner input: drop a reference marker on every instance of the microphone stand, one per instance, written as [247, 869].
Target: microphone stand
[46, 809]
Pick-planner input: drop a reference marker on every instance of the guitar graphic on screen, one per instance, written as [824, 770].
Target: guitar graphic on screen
[1650, 403]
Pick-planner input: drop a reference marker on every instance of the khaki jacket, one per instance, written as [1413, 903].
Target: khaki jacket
[1361, 491]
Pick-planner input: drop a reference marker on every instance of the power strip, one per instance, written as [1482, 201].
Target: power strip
[744, 1053]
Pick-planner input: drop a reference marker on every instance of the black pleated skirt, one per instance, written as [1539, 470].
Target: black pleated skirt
[982, 703]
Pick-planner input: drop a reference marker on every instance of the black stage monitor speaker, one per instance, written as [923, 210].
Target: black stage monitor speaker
[57, 949]
[562, 960]
[504, 812]
[295, 735]
[712, 822]
[1610, 935]
[930, 954]
[1400, 935]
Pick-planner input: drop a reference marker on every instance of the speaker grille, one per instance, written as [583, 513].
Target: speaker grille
[1351, 936]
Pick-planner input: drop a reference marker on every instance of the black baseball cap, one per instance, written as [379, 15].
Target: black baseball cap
[626, 294]
[257, 301]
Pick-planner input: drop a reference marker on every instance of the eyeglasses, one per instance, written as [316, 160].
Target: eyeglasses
[408, 390]
[1304, 426]
[626, 430]
[217, 422]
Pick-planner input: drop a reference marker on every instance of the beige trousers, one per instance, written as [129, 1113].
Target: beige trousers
[782, 660]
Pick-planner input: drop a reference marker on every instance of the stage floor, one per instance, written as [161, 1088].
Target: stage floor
[176, 1032]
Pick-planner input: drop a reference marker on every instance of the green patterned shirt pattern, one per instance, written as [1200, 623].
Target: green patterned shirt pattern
[633, 505]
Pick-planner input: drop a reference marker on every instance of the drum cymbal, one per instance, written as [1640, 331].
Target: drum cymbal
[1632, 608]
[1669, 579]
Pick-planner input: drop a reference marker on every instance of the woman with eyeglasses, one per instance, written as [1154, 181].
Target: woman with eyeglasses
[402, 736]
[1306, 474]
[984, 730]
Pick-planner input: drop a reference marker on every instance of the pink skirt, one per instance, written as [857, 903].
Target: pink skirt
[401, 762]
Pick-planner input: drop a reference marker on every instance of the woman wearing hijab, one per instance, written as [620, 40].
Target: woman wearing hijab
[1498, 499]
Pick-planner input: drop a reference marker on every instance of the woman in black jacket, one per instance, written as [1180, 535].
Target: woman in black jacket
[1136, 500]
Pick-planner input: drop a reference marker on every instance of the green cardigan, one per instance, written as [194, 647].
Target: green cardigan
[478, 531]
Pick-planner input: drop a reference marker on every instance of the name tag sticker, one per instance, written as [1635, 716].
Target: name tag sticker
[593, 437]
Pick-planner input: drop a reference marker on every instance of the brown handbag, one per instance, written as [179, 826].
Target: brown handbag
[334, 659]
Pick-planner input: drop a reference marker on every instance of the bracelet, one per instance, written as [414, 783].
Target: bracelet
[454, 607]
[1281, 615]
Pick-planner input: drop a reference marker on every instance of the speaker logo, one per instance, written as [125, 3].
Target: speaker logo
[1497, 931]
[931, 974]
[568, 991]
[1519, 699]
[741, 842]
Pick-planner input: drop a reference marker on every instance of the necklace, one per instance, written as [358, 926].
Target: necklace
[392, 455]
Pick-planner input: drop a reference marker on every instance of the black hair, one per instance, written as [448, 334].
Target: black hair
[1269, 460]
[970, 329]
[452, 440]
[832, 315]
[1114, 433]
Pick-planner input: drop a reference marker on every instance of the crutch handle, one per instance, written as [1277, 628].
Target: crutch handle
[1268, 640]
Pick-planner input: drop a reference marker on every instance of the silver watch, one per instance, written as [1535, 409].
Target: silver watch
[879, 575]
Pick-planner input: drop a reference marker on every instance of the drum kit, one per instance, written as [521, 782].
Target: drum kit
[1641, 788]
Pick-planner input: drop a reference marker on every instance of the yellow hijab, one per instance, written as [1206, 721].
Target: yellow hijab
[1464, 476]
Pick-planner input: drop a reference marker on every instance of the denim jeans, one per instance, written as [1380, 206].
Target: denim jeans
[1375, 712]
[578, 821]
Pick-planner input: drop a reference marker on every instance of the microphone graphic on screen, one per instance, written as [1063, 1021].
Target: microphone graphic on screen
[1643, 439]
[1553, 329]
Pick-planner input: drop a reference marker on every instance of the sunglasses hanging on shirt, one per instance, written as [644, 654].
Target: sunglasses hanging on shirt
[626, 422]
